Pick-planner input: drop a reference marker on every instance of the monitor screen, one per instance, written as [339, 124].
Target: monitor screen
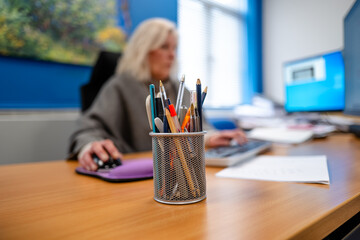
[315, 84]
[352, 60]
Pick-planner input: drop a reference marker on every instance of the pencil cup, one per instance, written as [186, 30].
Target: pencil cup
[179, 167]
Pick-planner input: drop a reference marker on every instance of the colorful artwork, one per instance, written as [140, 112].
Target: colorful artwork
[67, 31]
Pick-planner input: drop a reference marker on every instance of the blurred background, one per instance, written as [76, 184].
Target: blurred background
[238, 48]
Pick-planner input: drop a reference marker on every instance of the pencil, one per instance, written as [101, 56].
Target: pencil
[175, 118]
[187, 116]
[186, 120]
[183, 111]
[199, 103]
[203, 95]
[192, 119]
[181, 154]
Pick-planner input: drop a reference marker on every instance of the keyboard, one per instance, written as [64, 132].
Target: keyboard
[231, 155]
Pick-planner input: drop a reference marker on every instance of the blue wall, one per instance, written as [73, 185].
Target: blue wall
[144, 9]
[39, 84]
[31, 84]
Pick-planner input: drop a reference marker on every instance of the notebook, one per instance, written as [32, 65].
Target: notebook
[231, 155]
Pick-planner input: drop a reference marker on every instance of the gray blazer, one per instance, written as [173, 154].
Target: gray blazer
[119, 113]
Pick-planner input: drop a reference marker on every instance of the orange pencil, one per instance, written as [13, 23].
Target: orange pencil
[186, 120]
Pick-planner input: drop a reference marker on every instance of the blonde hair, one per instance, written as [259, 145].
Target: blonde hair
[148, 36]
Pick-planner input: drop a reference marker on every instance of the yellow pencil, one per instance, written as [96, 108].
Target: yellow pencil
[181, 153]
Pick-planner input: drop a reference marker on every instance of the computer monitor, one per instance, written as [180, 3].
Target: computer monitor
[352, 60]
[315, 84]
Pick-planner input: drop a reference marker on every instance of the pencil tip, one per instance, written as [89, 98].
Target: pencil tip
[205, 90]
[161, 83]
[198, 82]
[192, 109]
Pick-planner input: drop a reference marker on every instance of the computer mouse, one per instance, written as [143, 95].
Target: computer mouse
[108, 165]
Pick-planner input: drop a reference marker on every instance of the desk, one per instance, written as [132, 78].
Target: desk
[48, 200]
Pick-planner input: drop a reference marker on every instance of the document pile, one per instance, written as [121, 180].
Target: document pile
[305, 169]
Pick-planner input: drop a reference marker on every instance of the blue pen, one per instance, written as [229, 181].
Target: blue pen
[153, 107]
[199, 102]
[166, 124]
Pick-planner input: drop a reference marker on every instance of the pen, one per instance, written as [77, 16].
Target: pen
[199, 103]
[159, 95]
[153, 107]
[159, 111]
[166, 124]
[163, 94]
[180, 94]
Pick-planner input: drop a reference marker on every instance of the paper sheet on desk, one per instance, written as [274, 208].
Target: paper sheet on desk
[305, 169]
[281, 135]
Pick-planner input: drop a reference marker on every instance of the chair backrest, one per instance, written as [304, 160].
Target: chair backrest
[103, 69]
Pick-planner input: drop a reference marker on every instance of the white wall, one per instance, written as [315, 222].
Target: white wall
[35, 136]
[297, 29]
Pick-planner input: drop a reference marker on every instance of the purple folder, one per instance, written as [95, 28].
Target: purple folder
[130, 170]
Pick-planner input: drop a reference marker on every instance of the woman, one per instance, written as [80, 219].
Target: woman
[117, 122]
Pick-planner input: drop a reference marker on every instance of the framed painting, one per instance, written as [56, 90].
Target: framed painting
[65, 31]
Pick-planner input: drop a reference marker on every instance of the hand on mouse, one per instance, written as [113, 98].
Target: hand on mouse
[225, 137]
[102, 149]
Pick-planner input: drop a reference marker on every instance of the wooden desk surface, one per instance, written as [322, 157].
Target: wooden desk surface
[50, 201]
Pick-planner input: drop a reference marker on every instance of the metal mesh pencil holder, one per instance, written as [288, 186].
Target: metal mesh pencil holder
[179, 167]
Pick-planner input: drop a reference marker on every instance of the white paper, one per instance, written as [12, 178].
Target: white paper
[306, 169]
[281, 135]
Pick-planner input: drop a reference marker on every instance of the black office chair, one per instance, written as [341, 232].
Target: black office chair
[103, 69]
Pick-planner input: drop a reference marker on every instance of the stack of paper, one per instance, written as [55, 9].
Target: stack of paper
[306, 169]
[281, 135]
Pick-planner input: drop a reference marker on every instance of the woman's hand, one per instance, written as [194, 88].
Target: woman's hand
[225, 137]
[102, 149]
